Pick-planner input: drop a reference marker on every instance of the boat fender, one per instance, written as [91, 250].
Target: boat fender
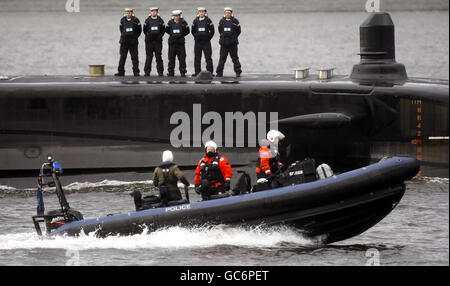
[324, 171]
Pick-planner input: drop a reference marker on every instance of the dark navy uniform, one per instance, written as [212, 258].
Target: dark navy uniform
[177, 31]
[154, 30]
[203, 31]
[229, 31]
[130, 30]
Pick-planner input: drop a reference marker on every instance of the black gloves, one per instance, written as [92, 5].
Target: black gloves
[227, 185]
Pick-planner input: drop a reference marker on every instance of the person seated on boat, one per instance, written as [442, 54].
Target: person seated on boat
[213, 174]
[269, 164]
[168, 174]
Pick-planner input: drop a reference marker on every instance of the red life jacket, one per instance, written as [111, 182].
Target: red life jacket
[216, 170]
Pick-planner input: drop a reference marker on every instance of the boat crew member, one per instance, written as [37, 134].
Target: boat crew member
[203, 31]
[130, 30]
[168, 174]
[213, 173]
[177, 28]
[229, 30]
[154, 30]
[268, 156]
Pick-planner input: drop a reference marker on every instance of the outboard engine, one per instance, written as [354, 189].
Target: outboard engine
[377, 51]
[55, 218]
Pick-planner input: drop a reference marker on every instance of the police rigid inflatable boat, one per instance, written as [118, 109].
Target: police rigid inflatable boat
[333, 208]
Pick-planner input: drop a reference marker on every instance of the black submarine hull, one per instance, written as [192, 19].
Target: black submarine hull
[122, 124]
[109, 124]
[327, 210]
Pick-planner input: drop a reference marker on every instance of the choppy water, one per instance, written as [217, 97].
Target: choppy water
[40, 37]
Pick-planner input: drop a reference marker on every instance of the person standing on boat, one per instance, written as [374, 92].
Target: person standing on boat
[130, 30]
[177, 28]
[268, 156]
[168, 174]
[229, 30]
[203, 31]
[213, 173]
[154, 30]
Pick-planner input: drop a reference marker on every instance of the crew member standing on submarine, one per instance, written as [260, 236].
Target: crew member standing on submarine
[130, 30]
[154, 30]
[177, 28]
[203, 31]
[229, 30]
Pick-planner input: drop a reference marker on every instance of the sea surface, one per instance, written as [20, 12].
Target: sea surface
[41, 37]
[414, 233]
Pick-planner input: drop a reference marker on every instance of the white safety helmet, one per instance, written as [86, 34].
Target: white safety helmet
[211, 144]
[154, 8]
[228, 9]
[167, 156]
[272, 135]
[201, 9]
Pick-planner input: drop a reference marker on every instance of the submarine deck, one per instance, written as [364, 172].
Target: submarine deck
[313, 78]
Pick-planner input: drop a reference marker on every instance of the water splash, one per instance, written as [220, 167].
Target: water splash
[80, 187]
[436, 180]
[167, 238]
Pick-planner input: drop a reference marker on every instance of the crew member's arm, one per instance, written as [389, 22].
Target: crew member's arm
[121, 27]
[225, 168]
[237, 27]
[145, 27]
[162, 27]
[220, 27]
[197, 173]
[186, 28]
[155, 178]
[168, 27]
[138, 27]
[179, 174]
[264, 156]
[227, 173]
[211, 29]
[194, 29]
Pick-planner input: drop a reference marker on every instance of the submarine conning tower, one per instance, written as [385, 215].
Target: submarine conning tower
[377, 51]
